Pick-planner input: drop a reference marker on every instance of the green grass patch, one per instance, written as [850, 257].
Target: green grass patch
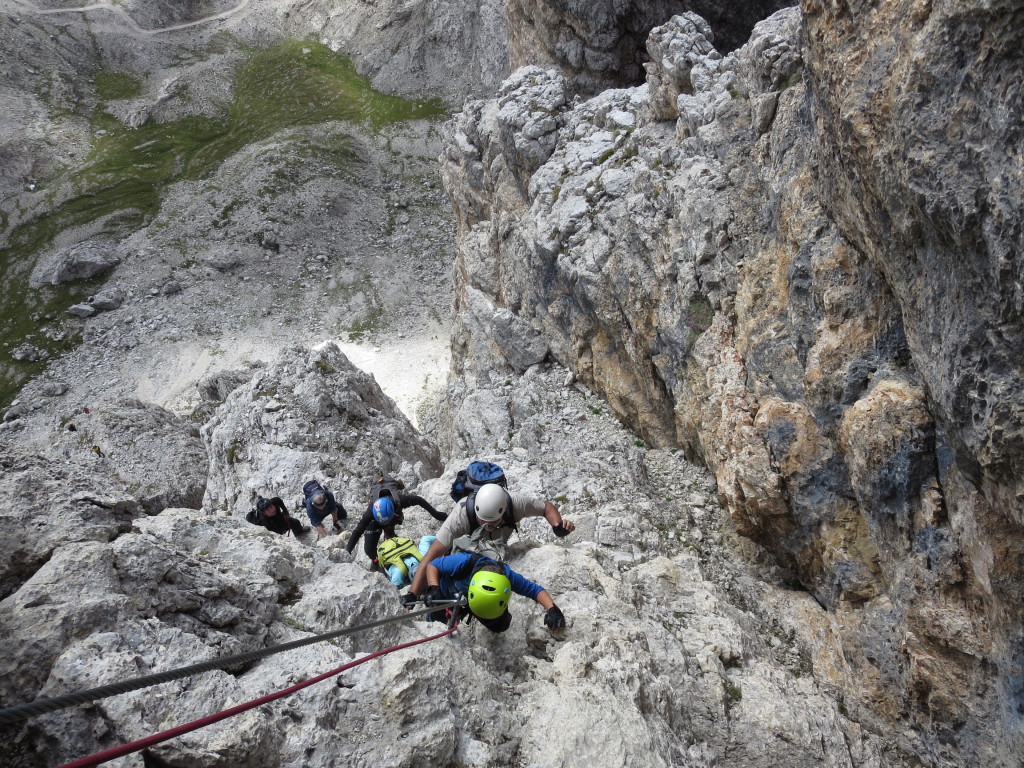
[698, 318]
[361, 329]
[116, 85]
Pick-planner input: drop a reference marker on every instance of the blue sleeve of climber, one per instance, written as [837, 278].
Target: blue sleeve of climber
[453, 581]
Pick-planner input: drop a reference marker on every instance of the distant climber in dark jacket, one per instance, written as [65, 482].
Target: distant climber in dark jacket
[273, 515]
[382, 515]
[321, 504]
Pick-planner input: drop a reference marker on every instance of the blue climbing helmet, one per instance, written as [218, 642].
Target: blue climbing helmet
[384, 511]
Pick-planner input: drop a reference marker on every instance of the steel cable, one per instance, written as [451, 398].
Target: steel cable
[42, 706]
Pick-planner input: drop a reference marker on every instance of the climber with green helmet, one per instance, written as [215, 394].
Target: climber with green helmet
[488, 587]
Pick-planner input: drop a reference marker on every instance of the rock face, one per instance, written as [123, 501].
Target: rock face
[599, 45]
[123, 460]
[309, 417]
[447, 50]
[692, 654]
[50, 503]
[126, 433]
[748, 265]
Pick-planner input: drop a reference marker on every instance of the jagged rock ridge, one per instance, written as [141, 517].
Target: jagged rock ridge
[709, 252]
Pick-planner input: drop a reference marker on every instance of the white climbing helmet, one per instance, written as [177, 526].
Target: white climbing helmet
[490, 503]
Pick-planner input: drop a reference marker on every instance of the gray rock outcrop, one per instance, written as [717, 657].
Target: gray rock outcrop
[127, 431]
[79, 262]
[600, 45]
[692, 655]
[50, 503]
[123, 460]
[687, 251]
[311, 416]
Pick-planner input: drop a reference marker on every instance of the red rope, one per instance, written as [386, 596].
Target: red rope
[195, 725]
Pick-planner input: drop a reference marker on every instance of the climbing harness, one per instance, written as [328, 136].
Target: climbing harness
[42, 706]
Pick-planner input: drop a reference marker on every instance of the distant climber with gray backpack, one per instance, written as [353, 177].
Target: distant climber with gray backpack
[320, 503]
[388, 500]
[485, 517]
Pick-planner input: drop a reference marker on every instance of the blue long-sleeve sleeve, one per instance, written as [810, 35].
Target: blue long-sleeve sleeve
[450, 565]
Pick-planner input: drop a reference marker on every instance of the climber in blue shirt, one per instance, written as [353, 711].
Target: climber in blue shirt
[487, 586]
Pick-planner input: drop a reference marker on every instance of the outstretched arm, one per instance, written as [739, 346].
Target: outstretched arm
[412, 500]
[559, 525]
[360, 527]
[419, 582]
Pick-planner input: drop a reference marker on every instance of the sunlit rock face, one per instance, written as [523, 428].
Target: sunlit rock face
[786, 261]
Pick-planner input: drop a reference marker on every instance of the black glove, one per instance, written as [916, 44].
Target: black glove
[554, 619]
[408, 600]
[560, 530]
[434, 595]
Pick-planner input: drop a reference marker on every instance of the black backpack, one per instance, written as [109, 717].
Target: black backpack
[386, 483]
[478, 473]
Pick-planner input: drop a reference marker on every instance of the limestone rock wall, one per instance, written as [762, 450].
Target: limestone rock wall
[709, 252]
[598, 45]
[676, 653]
[309, 418]
[922, 169]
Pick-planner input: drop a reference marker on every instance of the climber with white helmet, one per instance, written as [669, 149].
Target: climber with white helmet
[385, 511]
[484, 520]
[488, 587]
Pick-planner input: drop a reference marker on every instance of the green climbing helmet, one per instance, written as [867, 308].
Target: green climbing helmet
[488, 594]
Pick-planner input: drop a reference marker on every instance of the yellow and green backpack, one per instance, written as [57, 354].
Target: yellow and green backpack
[393, 551]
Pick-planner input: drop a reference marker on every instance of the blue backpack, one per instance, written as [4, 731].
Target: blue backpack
[478, 473]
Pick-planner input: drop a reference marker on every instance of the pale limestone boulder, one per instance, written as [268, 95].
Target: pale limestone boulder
[51, 503]
[156, 454]
[311, 416]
